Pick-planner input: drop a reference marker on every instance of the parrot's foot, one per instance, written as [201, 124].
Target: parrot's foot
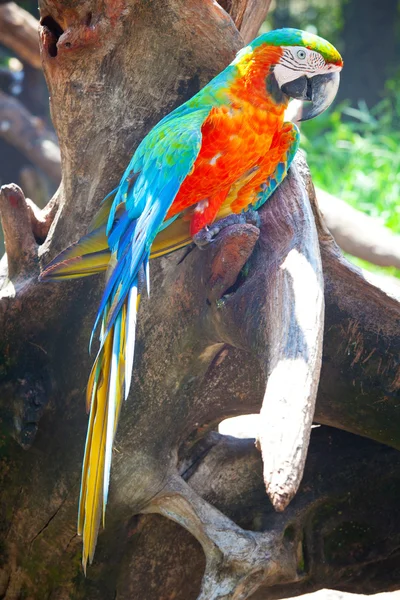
[207, 234]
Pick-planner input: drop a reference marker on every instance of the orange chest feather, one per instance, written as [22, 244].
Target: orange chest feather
[234, 140]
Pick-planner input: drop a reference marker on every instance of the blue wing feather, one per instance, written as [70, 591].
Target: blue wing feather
[146, 192]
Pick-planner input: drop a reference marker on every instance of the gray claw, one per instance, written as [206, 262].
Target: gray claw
[252, 217]
[207, 234]
[204, 237]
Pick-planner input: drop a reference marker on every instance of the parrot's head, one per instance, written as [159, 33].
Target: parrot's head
[305, 67]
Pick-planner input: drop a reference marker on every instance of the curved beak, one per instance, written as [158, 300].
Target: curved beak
[319, 91]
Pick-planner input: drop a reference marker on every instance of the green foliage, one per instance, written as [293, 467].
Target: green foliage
[354, 154]
[5, 56]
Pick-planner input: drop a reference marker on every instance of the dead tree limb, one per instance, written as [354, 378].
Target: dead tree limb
[248, 15]
[358, 234]
[291, 350]
[20, 244]
[30, 135]
[206, 346]
[34, 185]
[19, 32]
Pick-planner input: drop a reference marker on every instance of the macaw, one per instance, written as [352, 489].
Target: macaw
[221, 153]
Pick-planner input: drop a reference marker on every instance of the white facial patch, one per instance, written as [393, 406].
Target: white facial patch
[297, 61]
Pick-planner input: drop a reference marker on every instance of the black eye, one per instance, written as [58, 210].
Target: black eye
[301, 54]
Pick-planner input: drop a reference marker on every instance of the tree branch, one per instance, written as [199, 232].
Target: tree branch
[19, 32]
[33, 183]
[254, 16]
[336, 538]
[358, 234]
[27, 133]
[248, 15]
[21, 247]
[291, 350]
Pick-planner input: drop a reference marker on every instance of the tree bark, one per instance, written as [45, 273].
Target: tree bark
[209, 345]
[248, 15]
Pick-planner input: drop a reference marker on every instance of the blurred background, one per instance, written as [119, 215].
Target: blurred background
[28, 145]
[352, 149]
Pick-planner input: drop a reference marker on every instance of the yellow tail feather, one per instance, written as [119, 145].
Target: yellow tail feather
[93, 473]
[93, 467]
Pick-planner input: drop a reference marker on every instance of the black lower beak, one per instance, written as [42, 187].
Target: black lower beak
[319, 91]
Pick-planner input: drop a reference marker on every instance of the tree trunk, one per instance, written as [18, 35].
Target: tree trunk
[210, 342]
